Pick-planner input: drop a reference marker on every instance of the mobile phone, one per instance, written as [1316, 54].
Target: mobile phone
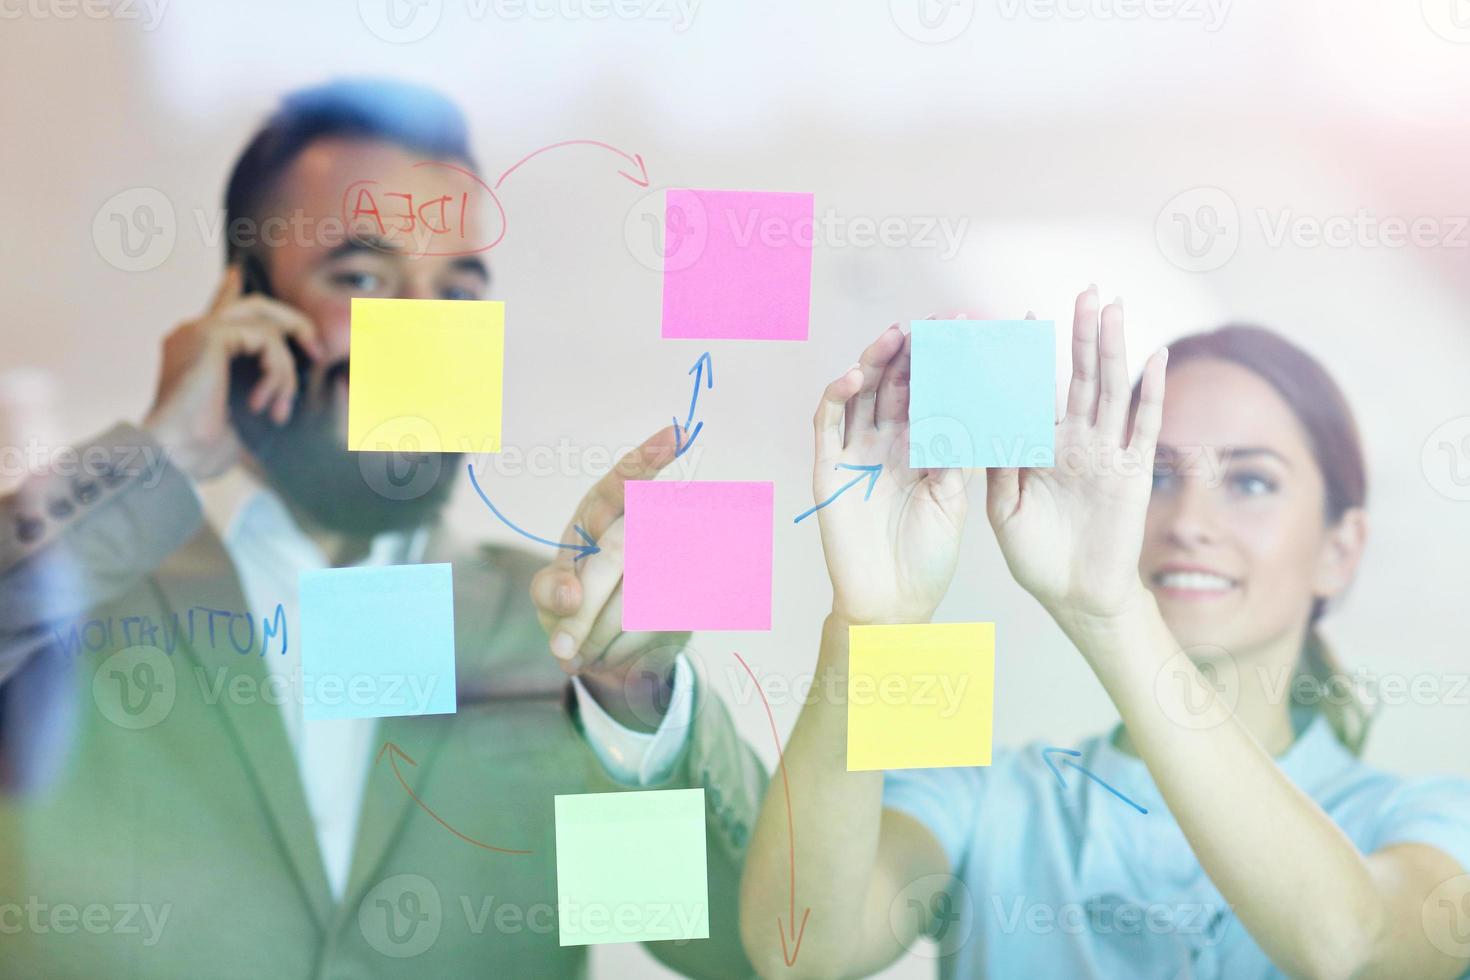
[257, 430]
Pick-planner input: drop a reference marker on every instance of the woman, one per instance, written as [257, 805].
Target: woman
[1192, 593]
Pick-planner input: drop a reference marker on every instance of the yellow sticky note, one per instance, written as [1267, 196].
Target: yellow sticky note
[920, 696]
[426, 375]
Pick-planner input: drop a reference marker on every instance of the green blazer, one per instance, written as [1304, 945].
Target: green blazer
[175, 840]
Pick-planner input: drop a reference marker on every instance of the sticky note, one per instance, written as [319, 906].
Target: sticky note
[982, 393]
[426, 375]
[377, 642]
[630, 867]
[920, 696]
[697, 556]
[737, 265]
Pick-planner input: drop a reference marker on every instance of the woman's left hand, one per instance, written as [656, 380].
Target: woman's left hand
[1071, 534]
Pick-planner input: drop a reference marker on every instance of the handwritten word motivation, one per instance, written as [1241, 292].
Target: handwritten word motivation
[219, 625]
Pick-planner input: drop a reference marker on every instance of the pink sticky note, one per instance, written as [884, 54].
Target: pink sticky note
[737, 265]
[697, 556]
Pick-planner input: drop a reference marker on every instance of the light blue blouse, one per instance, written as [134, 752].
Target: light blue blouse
[1074, 883]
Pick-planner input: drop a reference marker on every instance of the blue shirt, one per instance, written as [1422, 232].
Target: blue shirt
[1072, 882]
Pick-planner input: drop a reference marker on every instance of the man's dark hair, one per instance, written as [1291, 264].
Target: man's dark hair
[412, 116]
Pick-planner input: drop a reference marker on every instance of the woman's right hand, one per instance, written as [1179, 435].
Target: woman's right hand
[190, 414]
[890, 557]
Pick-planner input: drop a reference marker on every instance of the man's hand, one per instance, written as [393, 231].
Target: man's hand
[580, 602]
[190, 414]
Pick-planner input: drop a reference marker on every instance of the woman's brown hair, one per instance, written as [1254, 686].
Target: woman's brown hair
[1332, 434]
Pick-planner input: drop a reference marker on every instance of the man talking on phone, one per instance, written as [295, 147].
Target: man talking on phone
[166, 812]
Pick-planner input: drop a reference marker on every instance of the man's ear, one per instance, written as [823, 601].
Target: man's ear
[1342, 549]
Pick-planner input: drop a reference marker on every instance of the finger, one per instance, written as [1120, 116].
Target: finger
[1112, 403]
[603, 504]
[1002, 493]
[556, 592]
[1149, 417]
[607, 626]
[229, 288]
[284, 317]
[277, 370]
[600, 575]
[605, 501]
[893, 390]
[860, 413]
[280, 375]
[828, 421]
[1082, 391]
[947, 488]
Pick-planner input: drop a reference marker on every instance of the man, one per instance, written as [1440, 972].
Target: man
[173, 815]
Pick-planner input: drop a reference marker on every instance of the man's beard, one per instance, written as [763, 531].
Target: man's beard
[307, 463]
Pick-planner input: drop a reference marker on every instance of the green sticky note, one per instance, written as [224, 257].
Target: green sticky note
[630, 867]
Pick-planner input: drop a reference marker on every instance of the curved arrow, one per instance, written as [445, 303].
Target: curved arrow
[797, 931]
[582, 550]
[1046, 755]
[394, 753]
[869, 473]
[635, 159]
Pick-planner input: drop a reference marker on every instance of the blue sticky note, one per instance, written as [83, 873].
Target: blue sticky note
[377, 642]
[982, 393]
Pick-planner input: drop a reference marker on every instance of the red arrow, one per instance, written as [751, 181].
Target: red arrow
[634, 159]
[394, 753]
[788, 953]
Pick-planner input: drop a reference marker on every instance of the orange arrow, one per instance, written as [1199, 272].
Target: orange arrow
[394, 753]
[788, 953]
[634, 160]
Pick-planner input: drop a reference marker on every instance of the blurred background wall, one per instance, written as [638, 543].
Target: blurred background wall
[1180, 157]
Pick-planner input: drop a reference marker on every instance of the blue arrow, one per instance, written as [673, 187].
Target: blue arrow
[1046, 754]
[700, 366]
[582, 550]
[869, 473]
[680, 446]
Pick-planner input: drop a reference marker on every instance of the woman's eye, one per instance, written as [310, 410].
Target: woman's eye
[1252, 484]
[1163, 479]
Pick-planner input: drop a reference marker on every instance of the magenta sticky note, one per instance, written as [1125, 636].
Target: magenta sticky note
[737, 265]
[697, 556]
